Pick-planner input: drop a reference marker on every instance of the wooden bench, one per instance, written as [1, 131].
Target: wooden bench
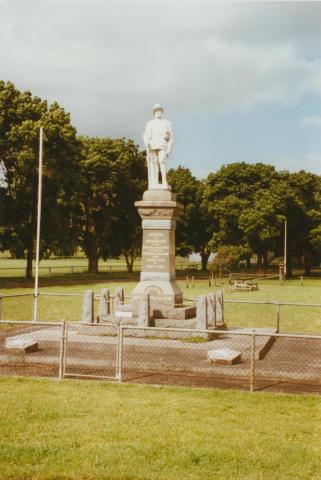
[243, 284]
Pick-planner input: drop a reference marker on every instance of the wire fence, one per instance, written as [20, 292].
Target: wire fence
[76, 269]
[229, 359]
[283, 317]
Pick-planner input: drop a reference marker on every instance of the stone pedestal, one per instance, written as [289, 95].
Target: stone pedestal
[159, 211]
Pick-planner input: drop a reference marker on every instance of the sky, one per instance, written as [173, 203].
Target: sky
[239, 81]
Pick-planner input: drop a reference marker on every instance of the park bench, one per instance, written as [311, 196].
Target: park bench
[244, 284]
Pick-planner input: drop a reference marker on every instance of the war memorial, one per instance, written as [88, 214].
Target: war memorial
[191, 333]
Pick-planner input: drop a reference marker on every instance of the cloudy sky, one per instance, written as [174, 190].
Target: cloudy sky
[239, 81]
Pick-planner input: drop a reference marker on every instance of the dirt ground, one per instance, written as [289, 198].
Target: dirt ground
[292, 365]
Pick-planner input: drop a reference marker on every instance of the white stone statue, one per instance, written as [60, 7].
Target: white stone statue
[158, 139]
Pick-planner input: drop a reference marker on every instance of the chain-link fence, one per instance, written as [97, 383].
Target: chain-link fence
[31, 349]
[237, 358]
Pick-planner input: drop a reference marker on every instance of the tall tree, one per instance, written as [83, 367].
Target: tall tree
[230, 195]
[113, 174]
[21, 116]
[194, 228]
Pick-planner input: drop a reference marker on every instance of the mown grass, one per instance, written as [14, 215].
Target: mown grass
[293, 318]
[90, 430]
[58, 267]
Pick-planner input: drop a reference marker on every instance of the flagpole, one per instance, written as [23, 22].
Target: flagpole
[285, 247]
[35, 305]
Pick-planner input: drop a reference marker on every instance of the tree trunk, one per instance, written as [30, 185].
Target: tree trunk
[265, 262]
[129, 262]
[307, 264]
[204, 257]
[93, 260]
[259, 262]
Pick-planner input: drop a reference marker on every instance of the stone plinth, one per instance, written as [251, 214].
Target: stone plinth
[159, 211]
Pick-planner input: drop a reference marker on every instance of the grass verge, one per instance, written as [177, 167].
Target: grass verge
[90, 430]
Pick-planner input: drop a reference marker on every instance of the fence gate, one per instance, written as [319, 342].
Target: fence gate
[90, 351]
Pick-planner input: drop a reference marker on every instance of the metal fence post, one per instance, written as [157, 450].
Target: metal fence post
[252, 375]
[278, 315]
[120, 354]
[62, 356]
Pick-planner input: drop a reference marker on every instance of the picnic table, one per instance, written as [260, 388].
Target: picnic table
[244, 284]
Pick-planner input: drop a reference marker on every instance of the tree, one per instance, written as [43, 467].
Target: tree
[21, 116]
[194, 228]
[113, 174]
[232, 196]
[304, 218]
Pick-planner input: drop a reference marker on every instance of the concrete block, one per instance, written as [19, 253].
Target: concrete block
[119, 297]
[219, 303]
[104, 303]
[224, 356]
[143, 319]
[201, 313]
[211, 309]
[88, 307]
[21, 345]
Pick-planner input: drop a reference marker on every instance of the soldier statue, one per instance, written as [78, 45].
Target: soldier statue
[158, 139]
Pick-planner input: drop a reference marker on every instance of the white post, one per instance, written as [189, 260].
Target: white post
[285, 248]
[35, 305]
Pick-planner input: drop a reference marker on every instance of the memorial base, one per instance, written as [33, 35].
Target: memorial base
[159, 211]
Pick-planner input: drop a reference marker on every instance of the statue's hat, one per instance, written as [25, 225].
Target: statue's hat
[156, 107]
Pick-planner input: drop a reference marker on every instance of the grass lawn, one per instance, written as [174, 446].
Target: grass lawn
[91, 430]
[293, 319]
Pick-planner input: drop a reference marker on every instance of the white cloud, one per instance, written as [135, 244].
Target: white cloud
[107, 63]
[311, 121]
[310, 162]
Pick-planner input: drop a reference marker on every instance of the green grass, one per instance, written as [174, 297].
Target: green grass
[58, 267]
[293, 319]
[90, 430]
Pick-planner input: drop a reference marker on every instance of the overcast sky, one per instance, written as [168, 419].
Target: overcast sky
[239, 81]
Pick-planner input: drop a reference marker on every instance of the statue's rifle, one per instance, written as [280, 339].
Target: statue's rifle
[149, 165]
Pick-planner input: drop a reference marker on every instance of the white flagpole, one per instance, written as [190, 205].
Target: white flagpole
[285, 247]
[35, 305]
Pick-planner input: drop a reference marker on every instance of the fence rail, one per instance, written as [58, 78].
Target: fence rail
[278, 319]
[128, 353]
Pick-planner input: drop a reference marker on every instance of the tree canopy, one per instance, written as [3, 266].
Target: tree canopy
[90, 186]
[21, 116]
[112, 177]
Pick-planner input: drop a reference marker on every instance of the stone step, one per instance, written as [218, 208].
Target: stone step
[163, 311]
[170, 323]
[175, 313]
